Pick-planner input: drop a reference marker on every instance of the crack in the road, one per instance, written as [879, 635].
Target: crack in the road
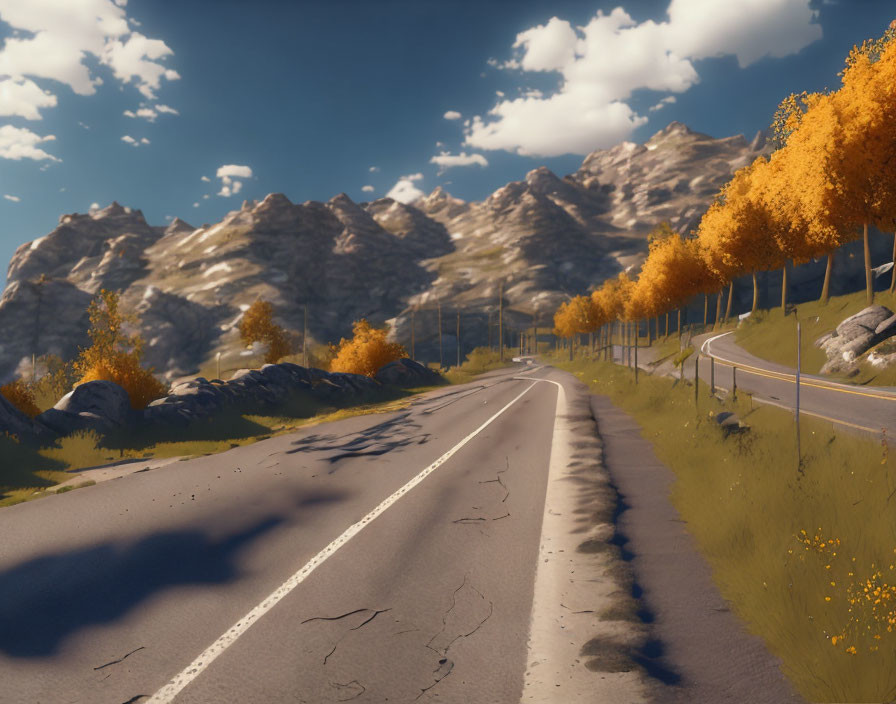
[123, 657]
[445, 667]
[348, 685]
[135, 698]
[376, 612]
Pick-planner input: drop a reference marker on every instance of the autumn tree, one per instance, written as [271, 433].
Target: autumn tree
[258, 325]
[115, 354]
[367, 352]
[20, 395]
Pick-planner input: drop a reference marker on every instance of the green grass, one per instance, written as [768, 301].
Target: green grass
[479, 361]
[771, 335]
[746, 503]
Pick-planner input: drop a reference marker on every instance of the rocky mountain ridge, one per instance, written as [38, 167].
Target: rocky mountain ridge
[543, 238]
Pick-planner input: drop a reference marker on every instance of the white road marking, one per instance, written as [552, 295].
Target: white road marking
[167, 693]
[703, 347]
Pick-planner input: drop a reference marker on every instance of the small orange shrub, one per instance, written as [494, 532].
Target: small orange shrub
[366, 352]
[125, 370]
[115, 355]
[258, 325]
[19, 394]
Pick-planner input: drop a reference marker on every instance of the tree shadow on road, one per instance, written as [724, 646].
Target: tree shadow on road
[49, 598]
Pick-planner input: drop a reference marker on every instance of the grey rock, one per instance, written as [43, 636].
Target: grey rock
[730, 423]
[102, 406]
[408, 373]
[855, 336]
[17, 424]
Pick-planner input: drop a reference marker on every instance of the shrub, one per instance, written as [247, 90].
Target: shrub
[258, 325]
[115, 355]
[19, 394]
[366, 352]
[58, 379]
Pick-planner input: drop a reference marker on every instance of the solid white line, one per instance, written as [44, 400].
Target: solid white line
[703, 347]
[167, 693]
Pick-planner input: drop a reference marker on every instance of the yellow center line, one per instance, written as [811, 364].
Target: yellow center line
[792, 379]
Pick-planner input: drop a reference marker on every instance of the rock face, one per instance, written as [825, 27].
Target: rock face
[855, 336]
[102, 406]
[407, 373]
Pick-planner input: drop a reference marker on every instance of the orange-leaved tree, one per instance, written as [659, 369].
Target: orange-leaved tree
[258, 325]
[366, 352]
[115, 354]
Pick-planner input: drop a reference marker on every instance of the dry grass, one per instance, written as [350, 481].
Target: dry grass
[747, 504]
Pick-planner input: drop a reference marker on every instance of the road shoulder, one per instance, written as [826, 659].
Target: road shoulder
[693, 632]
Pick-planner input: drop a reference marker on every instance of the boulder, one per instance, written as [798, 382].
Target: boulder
[855, 336]
[730, 423]
[102, 406]
[14, 422]
[407, 372]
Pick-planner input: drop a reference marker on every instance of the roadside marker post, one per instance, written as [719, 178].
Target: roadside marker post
[796, 416]
[734, 383]
[696, 382]
[712, 376]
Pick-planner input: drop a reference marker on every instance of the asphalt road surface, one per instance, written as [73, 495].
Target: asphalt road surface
[387, 557]
[867, 410]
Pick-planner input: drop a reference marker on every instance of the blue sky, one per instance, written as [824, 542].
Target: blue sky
[139, 102]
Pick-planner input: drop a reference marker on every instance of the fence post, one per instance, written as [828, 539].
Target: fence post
[734, 383]
[636, 357]
[799, 460]
[696, 382]
[712, 376]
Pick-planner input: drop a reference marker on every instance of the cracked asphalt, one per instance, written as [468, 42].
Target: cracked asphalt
[108, 592]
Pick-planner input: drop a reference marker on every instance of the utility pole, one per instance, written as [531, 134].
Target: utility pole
[534, 332]
[501, 321]
[458, 337]
[441, 361]
[413, 356]
[304, 340]
[799, 460]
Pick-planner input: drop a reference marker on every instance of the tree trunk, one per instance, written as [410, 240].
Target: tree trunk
[718, 309]
[784, 289]
[730, 297]
[755, 294]
[666, 333]
[679, 323]
[869, 282]
[826, 287]
[893, 279]
[705, 309]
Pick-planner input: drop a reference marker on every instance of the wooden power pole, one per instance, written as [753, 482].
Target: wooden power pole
[441, 361]
[501, 321]
[458, 337]
[304, 339]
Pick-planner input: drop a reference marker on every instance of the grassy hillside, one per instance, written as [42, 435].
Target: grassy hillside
[771, 335]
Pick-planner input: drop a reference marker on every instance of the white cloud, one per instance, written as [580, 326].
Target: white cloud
[62, 41]
[144, 140]
[603, 62]
[413, 177]
[14, 199]
[93, 207]
[668, 100]
[166, 109]
[452, 115]
[196, 205]
[367, 189]
[23, 98]
[404, 191]
[84, 125]
[446, 160]
[206, 197]
[205, 178]
[20, 143]
[228, 173]
[130, 140]
[373, 169]
[145, 113]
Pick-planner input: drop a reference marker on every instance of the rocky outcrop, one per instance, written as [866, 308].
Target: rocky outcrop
[15, 423]
[407, 373]
[255, 391]
[101, 406]
[855, 336]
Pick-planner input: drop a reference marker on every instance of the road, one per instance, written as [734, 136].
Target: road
[391, 557]
[867, 410]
